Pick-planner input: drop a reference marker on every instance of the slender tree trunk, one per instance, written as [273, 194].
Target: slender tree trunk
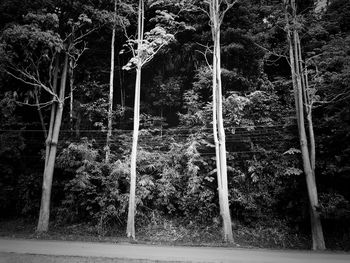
[308, 107]
[316, 226]
[215, 133]
[132, 205]
[308, 155]
[42, 122]
[218, 125]
[161, 121]
[130, 230]
[311, 139]
[71, 92]
[111, 87]
[53, 112]
[122, 93]
[44, 215]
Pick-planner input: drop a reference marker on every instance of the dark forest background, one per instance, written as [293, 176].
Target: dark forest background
[176, 179]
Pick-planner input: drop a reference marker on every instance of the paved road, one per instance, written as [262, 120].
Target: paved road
[145, 253]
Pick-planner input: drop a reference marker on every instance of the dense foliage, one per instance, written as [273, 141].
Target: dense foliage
[176, 159]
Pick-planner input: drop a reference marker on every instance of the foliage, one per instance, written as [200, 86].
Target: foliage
[334, 206]
[94, 191]
[97, 191]
[176, 183]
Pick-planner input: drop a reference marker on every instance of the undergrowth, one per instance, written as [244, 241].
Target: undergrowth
[164, 231]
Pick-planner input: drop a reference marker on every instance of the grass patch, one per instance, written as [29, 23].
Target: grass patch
[163, 231]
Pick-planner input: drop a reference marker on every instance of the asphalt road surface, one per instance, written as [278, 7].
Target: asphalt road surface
[16, 250]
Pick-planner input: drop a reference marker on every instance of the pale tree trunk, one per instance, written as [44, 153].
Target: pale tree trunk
[53, 112]
[42, 122]
[218, 125]
[55, 124]
[111, 87]
[71, 92]
[122, 93]
[161, 121]
[311, 139]
[307, 149]
[130, 230]
[308, 104]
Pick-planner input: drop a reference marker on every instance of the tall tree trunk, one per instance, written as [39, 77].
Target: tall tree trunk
[308, 155]
[111, 87]
[218, 125]
[44, 215]
[71, 92]
[130, 230]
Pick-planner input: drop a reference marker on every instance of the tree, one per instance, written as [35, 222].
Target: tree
[74, 56]
[217, 11]
[216, 18]
[43, 52]
[147, 47]
[40, 53]
[72, 41]
[303, 106]
[130, 228]
[111, 87]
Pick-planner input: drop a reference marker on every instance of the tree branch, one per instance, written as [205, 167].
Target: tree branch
[33, 81]
[229, 5]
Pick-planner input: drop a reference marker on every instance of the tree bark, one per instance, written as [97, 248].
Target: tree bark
[71, 92]
[55, 124]
[312, 140]
[53, 111]
[130, 230]
[111, 87]
[218, 125]
[122, 93]
[42, 122]
[308, 155]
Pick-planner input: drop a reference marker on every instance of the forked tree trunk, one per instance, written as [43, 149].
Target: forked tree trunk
[218, 125]
[55, 125]
[130, 229]
[307, 148]
[111, 87]
[53, 112]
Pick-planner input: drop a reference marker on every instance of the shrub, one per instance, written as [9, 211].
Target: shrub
[95, 193]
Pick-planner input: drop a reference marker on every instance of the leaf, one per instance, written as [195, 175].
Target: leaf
[293, 171]
[209, 179]
[292, 151]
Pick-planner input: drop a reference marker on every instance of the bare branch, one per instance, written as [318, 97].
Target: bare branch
[205, 57]
[148, 59]
[80, 38]
[51, 67]
[207, 50]
[229, 5]
[40, 105]
[271, 52]
[76, 57]
[129, 38]
[204, 11]
[336, 98]
[32, 80]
